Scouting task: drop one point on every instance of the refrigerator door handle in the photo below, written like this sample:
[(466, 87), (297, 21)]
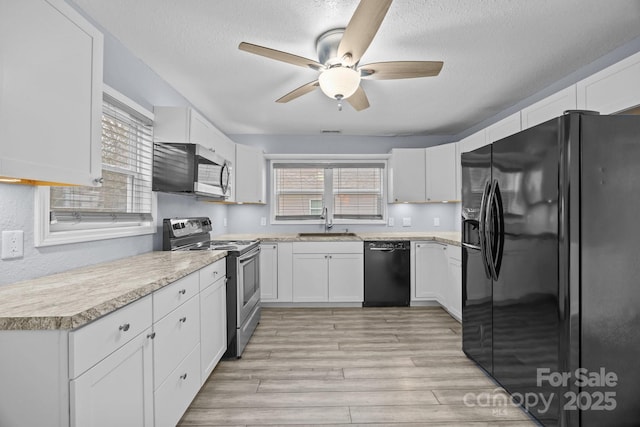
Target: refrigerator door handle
[(482, 225), (495, 233)]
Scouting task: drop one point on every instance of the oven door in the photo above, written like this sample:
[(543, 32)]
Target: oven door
[(248, 283)]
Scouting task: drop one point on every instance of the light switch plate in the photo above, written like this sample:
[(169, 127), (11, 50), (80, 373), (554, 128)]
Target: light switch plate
[(436, 222), (406, 222), (12, 244), (263, 221), (224, 222), (392, 221)]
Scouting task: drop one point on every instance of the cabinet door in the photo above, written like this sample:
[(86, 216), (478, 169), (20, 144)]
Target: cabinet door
[(431, 271), (504, 128), (118, 391), (201, 131), (441, 173), (50, 75), (408, 175), (346, 278), (213, 330), (250, 175), (550, 107), (176, 334), (454, 294), (310, 278), (269, 272), (473, 142), (613, 89), (285, 272)]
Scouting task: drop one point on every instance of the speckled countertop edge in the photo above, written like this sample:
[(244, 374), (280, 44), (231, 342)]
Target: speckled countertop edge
[(74, 298), (448, 237)]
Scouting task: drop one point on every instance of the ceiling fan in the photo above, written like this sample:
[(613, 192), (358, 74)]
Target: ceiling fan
[(339, 53)]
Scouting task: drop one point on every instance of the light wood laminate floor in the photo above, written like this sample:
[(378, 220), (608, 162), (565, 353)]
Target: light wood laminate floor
[(351, 366)]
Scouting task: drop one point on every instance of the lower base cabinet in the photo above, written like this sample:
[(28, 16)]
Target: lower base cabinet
[(437, 275), (118, 390)]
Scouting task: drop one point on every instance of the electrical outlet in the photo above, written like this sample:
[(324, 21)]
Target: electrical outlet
[(263, 221), (392, 221), (12, 244), (436, 222), (406, 222), (224, 222)]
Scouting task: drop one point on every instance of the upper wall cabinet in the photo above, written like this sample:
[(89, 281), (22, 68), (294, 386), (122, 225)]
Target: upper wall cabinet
[(441, 173), (50, 93), (407, 175), (504, 128), (250, 175), (185, 125), (472, 142), (613, 89), (550, 107)]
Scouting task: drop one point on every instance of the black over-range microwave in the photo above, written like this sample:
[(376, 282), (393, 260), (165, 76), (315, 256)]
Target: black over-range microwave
[(190, 168)]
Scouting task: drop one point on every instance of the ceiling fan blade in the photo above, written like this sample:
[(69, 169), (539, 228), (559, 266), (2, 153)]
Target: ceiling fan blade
[(361, 29), (280, 56), (359, 100), (400, 70), (296, 93)]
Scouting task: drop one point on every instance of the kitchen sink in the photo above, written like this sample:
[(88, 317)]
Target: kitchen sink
[(336, 234)]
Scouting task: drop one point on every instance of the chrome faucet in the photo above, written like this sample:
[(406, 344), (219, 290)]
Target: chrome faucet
[(328, 225)]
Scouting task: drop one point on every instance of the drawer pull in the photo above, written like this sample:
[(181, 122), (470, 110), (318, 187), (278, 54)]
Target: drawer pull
[(215, 273), (183, 319), (125, 327), (152, 335), (183, 376), (182, 291)]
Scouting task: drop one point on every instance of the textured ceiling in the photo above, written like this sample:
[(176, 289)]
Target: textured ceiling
[(495, 53)]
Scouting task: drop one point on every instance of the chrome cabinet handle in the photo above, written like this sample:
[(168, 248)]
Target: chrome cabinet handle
[(182, 291), (125, 327), (152, 335), (215, 273), (183, 319), (99, 180), (183, 376)]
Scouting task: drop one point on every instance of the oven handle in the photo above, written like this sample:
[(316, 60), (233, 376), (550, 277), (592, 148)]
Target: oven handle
[(249, 256)]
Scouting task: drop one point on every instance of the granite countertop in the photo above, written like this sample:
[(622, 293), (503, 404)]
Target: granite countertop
[(76, 297), (448, 237)]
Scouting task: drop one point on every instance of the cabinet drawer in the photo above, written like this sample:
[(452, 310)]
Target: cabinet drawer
[(176, 334), (328, 247), (175, 394), (170, 297), (454, 252), (91, 343), (213, 272)]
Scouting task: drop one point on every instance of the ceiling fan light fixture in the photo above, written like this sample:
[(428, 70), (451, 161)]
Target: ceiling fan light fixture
[(339, 82)]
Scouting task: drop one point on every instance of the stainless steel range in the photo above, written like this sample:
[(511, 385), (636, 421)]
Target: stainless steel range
[(243, 278)]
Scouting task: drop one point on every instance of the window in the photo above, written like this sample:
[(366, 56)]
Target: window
[(350, 191), (124, 204)]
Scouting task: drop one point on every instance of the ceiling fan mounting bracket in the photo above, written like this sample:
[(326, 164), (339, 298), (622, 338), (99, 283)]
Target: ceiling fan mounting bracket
[(327, 47)]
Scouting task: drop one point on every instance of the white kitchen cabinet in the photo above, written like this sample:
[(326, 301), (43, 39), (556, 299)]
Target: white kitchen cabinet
[(346, 278), (458, 171), (118, 391), (285, 272), (310, 277), (473, 142), (250, 182), (613, 89), (185, 125), (407, 175), (441, 173), (328, 272), (50, 60), (269, 272), (504, 128), (454, 290), (431, 271), (550, 107), (213, 321)]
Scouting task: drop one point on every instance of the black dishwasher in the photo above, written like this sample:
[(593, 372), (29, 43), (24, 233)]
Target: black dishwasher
[(387, 273)]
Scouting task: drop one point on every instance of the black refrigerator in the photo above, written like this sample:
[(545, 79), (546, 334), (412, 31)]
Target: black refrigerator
[(551, 268)]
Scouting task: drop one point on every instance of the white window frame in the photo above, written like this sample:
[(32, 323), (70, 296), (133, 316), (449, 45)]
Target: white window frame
[(328, 186), (43, 236)]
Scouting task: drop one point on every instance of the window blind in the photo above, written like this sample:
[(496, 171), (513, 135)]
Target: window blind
[(125, 197), (357, 193), (299, 192)]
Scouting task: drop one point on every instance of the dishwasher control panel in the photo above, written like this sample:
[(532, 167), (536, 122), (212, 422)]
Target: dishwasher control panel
[(395, 244)]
